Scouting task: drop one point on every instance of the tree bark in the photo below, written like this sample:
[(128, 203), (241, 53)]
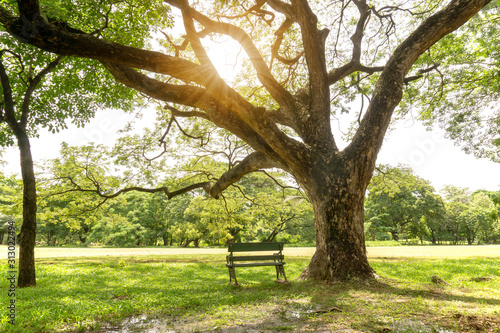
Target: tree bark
[(28, 229), (336, 189), (27, 235)]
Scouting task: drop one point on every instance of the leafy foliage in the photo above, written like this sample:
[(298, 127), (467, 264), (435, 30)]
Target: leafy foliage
[(77, 88), (402, 204), (79, 204), (461, 94)]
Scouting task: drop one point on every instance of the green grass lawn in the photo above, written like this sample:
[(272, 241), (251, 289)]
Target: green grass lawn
[(190, 293)]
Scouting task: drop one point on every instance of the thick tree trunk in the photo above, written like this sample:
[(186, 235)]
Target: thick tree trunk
[(28, 229), (340, 243), (337, 194)]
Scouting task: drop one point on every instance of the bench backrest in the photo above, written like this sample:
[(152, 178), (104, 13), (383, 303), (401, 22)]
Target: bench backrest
[(251, 247)]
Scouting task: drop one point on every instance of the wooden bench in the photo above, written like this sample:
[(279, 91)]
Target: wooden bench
[(275, 259)]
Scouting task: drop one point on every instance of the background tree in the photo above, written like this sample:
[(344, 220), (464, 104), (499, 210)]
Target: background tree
[(402, 203), (280, 216), (471, 217), (117, 230), (64, 219), (284, 112), (481, 220), (453, 193), (453, 222), (174, 216), (432, 212), (149, 211)]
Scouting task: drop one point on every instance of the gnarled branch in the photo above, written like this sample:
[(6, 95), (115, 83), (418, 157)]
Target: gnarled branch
[(253, 162)]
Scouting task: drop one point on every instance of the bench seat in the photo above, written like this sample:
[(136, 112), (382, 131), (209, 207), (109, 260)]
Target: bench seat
[(275, 259), (255, 264)]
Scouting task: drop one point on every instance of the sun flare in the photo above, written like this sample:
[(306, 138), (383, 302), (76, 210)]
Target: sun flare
[(226, 55)]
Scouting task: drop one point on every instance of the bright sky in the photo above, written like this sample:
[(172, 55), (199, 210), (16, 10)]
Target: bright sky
[(431, 155), (435, 158)]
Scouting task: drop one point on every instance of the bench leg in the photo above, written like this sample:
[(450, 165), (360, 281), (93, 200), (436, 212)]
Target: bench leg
[(280, 271), (232, 275)]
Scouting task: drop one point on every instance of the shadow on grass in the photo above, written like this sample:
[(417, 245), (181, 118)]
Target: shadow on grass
[(431, 293), (375, 306)]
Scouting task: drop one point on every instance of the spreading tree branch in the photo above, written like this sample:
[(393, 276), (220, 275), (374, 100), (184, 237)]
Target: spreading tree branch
[(253, 162), (388, 91)]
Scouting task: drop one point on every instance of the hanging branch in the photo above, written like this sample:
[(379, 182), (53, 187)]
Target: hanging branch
[(98, 189)]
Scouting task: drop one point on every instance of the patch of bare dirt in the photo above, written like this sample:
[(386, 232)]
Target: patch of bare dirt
[(290, 316), (472, 323)]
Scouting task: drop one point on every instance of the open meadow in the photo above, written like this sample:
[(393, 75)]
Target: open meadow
[(187, 290)]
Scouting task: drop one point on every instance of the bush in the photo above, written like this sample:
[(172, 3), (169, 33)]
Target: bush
[(117, 231)]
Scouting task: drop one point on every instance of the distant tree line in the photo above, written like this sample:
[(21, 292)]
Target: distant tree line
[(404, 207), (399, 206), (72, 212)]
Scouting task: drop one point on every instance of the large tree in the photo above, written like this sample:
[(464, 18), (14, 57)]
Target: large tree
[(285, 112)]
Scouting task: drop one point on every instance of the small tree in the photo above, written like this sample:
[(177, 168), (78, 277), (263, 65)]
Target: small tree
[(453, 222), (116, 230), (486, 219)]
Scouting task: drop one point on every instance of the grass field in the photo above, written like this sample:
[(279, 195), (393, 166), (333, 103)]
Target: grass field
[(133, 290)]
